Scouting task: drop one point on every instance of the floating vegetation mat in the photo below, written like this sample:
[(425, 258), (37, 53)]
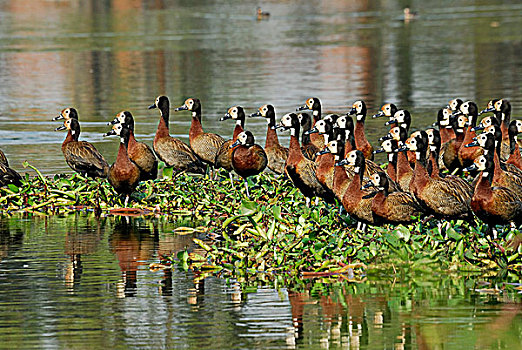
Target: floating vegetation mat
[(273, 234)]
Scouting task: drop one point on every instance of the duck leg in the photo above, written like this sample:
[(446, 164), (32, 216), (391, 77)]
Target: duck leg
[(246, 187), (308, 200), (126, 201), (231, 179)]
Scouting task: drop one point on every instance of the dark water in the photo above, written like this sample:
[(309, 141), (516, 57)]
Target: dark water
[(106, 56), (76, 282)]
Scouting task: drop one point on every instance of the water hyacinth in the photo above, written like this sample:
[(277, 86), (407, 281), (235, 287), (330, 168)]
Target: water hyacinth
[(274, 233)]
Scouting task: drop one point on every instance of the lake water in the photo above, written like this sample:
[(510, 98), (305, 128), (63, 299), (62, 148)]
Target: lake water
[(77, 282)]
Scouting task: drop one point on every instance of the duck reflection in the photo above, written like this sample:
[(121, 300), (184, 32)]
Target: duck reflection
[(82, 237), (133, 244), (10, 239)]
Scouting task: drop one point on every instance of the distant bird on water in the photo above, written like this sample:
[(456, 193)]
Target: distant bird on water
[(261, 15)]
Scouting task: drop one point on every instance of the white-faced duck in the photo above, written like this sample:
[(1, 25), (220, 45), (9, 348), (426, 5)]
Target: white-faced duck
[(248, 159), (204, 144), (139, 152), (124, 174), (276, 153), (82, 156), (172, 151)]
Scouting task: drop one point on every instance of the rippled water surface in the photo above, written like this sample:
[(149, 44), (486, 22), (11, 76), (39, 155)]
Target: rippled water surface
[(81, 282), (78, 282)]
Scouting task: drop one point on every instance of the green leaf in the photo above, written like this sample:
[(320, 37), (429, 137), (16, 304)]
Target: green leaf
[(13, 188), (248, 208)]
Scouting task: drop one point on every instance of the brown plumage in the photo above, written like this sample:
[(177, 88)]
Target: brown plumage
[(309, 149), (124, 174), (362, 143), (515, 128), (450, 153), (442, 198), (82, 156), (314, 104), (396, 207), (301, 170), (355, 200), (495, 205), (248, 159), (8, 175), (501, 176), (276, 153), (505, 145), (204, 144), (173, 152), (467, 155), (140, 153), (404, 172), (224, 153)]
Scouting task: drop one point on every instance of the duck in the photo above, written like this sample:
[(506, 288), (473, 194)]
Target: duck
[(393, 208), (277, 154), (356, 201), (493, 204), (467, 155), (402, 118), (502, 111), (248, 159), (515, 128), (309, 149), (408, 15), (387, 110), (7, 174), (443, 199), (204, 144), (390, 147), (67, 113), (261, 15), (124, 175), (172, 151), (434, 142), (404, 171), (362, 143), (139, 152), (505, 146), (454, 104), (314, 104), (450, 153), (444, 124), (82, 156), (224, 154), (301, 170), (489, 140), (343, 128)]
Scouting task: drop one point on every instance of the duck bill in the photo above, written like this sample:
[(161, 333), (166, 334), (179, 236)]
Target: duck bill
[(303, 108), (256, 114), (311, 131), (342, 162), (113, 122), (378, 115), (367, 185), (486, 110), (109, 133), (378, 150), (58, 117), (391, 122), (152, 106), (324, 151), (472, 144), (402, 149), (352, 112), (225, 117), (385, 137), (477, 128), (61, 127), (235, 144), (181, 108), (456, 114), (472, 167)]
